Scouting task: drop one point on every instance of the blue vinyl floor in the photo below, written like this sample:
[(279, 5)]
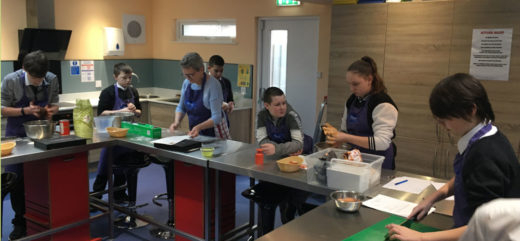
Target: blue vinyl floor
[(151, 182)]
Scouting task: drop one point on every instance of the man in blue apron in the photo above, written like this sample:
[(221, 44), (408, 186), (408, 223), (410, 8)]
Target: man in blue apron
[(216, 68), (201, 99), (278, 133), (120, 97), (30, 93)]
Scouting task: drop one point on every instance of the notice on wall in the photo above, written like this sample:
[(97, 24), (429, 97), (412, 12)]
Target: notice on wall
[(87, 71), (74, 67), (491, 54), (244, 75)]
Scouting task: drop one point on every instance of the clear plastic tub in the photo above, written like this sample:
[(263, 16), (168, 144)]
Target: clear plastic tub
[(102, 122), (346, 175)]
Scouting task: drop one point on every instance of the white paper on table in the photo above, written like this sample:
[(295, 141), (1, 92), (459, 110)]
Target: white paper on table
[(438, 186), (413, 185), (392, 205), (171, 140)]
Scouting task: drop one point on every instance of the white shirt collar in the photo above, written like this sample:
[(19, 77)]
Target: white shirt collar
[(462, 144), (120, 87), (27, 79)]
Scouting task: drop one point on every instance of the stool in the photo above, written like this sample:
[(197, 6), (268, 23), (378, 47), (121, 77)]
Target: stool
[(168, 167), (8, 181), (131, 170)]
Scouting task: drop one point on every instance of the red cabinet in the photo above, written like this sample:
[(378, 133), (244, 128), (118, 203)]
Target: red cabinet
[(56, 194), (189, 200)]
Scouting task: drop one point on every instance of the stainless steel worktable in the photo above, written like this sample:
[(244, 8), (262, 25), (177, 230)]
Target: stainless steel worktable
[(329, 224), (243, 163)]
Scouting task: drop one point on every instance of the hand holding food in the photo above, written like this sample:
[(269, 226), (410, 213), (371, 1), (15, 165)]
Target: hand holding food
[(331, 132)]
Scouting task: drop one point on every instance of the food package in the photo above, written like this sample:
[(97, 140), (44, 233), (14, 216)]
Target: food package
[(83, 116), (353, 155)]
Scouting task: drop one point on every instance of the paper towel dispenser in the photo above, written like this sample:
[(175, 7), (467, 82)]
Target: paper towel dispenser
[(114, 42)]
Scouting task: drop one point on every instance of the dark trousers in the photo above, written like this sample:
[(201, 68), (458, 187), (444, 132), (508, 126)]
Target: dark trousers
[(18, 195), (269, 196)]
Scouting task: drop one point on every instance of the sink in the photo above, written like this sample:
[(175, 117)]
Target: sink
[(148, 96)]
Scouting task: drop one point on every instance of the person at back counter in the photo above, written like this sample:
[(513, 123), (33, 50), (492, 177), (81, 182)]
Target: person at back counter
[(485, 166), (370, 114), (30, 93)]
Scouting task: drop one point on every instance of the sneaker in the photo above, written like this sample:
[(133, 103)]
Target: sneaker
[(18, 232)]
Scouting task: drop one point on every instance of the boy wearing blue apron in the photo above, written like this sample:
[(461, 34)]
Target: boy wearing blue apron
[(28, 94), (216, 68), (485, 167), (120, 97), (279, 133)]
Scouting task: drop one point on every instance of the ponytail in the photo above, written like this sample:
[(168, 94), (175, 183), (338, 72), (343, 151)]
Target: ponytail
[(367, 67)]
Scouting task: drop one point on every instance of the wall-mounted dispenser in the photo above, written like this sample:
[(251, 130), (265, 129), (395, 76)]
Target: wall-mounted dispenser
[(114, 42)]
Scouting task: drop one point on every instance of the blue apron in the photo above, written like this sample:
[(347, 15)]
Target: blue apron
[(197, 112), (357, 124), (15, 126), (460, 215), (282, 134), (116, 150)]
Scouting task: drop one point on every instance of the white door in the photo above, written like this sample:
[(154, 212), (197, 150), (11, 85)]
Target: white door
[(288, 59)]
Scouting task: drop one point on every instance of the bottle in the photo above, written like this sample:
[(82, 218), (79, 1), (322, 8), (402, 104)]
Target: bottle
[(259, 157)]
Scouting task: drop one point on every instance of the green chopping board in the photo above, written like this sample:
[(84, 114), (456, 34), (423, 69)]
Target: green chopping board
[(378, 230)]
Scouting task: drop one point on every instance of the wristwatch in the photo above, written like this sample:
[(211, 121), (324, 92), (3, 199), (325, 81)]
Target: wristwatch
[(23, 113)]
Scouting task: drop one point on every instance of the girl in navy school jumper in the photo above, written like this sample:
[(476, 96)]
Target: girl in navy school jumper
[(370, 114), (485, 166)]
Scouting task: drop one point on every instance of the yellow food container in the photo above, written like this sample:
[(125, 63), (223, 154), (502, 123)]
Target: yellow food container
[(117, 132), (7, 148), (290, 164)]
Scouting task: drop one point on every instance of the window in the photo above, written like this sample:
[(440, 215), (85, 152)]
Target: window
[(207, 30), (278, 59)]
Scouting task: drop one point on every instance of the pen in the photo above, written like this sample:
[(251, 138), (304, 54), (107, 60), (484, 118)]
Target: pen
[(401, 182)]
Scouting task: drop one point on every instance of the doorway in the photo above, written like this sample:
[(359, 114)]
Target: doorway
[(288, 59)]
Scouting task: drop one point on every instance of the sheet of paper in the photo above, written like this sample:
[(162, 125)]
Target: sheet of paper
[(408, 184), (438, 185), (392, 205), (171, 140)]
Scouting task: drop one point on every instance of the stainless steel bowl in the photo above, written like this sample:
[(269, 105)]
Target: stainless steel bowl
[(122, 116), (39, 129), (347, 206)]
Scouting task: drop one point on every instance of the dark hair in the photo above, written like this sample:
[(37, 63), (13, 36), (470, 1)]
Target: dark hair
[(367, 67), (216, 60), (192, 60), (36, 64), (270, 92), (455, 96), (122, 67)]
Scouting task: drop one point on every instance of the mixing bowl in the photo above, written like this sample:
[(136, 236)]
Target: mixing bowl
[(39, 129), (348, 201)]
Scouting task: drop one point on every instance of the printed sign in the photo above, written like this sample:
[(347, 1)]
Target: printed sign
[(491, 54), (244, 75)]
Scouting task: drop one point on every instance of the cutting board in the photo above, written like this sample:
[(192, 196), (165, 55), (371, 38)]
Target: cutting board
[(378, 231), (59, 142)]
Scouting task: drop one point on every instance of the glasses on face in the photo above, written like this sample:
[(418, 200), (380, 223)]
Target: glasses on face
[(189, 75)]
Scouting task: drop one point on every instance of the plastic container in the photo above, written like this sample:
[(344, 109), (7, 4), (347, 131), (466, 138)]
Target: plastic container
[(358, 176), (142, 129), (355, 176), (207, 151), (102, 122), (7, 148), (117, 132)]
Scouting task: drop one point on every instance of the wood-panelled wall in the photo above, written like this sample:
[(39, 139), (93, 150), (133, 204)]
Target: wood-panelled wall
[(415, 45)]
